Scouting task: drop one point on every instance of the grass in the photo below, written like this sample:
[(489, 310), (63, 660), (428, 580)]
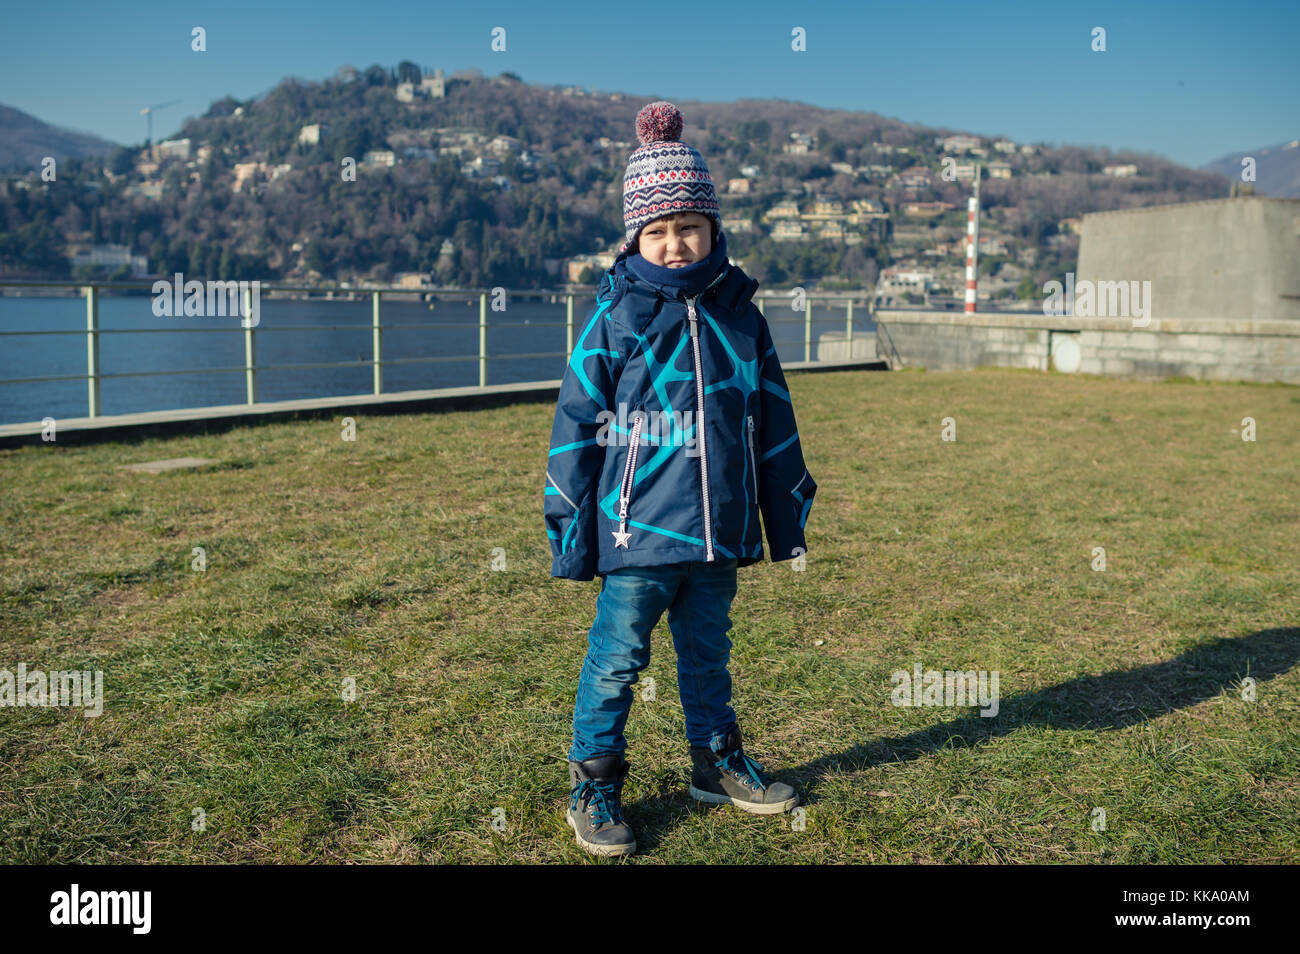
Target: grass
[(369, 563)]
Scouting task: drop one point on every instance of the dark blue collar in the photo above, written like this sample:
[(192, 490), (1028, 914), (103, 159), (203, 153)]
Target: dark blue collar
[(685, 282)]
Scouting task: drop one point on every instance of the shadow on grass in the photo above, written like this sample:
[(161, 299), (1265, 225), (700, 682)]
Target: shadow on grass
[(1111, 700)]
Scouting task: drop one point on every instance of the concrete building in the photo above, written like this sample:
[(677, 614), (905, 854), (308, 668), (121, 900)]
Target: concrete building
[(926, 209), (429, 87), (1219, 286), (1222, 258), (788, 231), (435, 86), (245, 172), (825, 208), (172, 149), (482, 166), (598, 263), (960, 143), (918, 177), (111, 257), (785, 209), (503, 146)]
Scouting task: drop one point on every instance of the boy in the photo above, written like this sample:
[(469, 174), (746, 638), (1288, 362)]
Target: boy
[(673, 431)]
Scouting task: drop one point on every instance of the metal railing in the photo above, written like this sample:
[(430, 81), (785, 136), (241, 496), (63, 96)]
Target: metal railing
[(892, 357), (93, 332)]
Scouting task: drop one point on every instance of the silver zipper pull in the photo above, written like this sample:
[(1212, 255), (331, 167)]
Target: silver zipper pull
[(690, 314), (621, 535)]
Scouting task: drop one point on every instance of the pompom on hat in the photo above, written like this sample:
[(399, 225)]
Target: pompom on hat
[(664, 175)]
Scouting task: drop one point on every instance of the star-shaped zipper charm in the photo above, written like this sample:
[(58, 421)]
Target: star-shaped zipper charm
[(621, 537)]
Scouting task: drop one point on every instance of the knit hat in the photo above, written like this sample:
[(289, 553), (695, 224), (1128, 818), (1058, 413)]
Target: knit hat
[(665, 175)]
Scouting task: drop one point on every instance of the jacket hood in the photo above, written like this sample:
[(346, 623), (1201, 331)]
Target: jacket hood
[(733, 291)]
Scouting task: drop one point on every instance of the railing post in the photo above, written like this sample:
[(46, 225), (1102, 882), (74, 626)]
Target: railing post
[(848, 329), (482, 339), (377, 337), (250, 364), (92, 350), (807, 328), (568, 327)]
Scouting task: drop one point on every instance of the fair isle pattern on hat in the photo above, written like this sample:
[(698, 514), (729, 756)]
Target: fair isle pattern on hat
[(665, 175)]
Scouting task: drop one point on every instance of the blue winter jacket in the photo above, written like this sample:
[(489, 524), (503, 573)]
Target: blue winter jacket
[(674, 428)]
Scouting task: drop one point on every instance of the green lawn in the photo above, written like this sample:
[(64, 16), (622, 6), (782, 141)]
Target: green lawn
[(372, 561)]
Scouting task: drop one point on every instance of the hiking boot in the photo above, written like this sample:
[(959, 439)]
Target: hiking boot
[(595, 813), (728, 776)]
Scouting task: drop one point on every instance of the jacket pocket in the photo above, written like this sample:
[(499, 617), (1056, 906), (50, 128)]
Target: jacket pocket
[(753, 468)]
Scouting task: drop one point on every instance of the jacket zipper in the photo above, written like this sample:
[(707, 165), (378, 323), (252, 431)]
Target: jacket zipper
[(752, 467), (699, 405), (625, 488)]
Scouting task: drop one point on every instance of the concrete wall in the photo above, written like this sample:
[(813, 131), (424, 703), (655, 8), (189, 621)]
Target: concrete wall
[(1202, 348), (834, 346), (1223, 258)]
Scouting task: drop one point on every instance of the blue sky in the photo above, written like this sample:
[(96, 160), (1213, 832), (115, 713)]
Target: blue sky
[(1192, 81)]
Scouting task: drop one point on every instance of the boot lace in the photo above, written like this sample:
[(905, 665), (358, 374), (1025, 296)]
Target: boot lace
[(738, 763), (602, 801)]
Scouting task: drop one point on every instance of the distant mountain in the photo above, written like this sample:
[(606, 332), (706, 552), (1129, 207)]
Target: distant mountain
[(1277, 169), (26, 140)]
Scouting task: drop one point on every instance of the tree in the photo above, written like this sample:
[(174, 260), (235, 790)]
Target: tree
[(313, 258), (121, 161), (759, 132)]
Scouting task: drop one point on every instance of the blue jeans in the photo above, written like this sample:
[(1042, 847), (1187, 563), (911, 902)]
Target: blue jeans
[(697, 596)]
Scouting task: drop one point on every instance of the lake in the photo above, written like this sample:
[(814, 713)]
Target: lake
[(298, 332)]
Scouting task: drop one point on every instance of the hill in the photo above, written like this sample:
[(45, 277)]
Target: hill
[(27, 140), (474, 181), (1277, 169)]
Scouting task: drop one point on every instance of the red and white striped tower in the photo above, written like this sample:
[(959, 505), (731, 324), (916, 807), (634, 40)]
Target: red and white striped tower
[(973, 244)]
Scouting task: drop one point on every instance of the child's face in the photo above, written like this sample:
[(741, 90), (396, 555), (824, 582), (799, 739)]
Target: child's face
[(677, 240)]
